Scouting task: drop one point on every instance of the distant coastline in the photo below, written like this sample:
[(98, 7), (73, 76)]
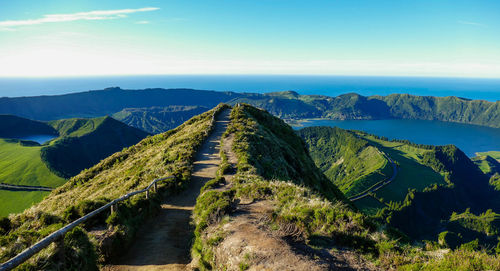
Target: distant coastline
[(471, 88)]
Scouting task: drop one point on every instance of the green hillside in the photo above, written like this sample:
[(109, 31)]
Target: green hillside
[(22, 165), (14, 202), (494, 154), (300, 206), (356, 162), (315, 221), (158, 119), (346, 159), (133, 168), (15, 127), (398, 106), (433, 187), (487, 164), (286, 104), (98, 103), (85, 142)]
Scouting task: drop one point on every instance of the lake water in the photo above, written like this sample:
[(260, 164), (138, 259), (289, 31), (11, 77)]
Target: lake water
[(38, 138), (469, 138), (486, 89)]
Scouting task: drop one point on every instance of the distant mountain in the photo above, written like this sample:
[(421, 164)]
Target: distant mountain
[(15, 127), (158, 119), (106, 102), (395, 106), (85, 142), (287, 104)]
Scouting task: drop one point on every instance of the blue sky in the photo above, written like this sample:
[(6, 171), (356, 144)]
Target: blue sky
[(401, 38)]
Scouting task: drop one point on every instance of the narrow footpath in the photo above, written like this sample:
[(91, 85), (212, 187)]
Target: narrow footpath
[(164, 242), (15, 187)]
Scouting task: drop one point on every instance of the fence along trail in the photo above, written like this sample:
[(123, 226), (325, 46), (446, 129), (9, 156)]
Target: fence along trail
[(164, 242)]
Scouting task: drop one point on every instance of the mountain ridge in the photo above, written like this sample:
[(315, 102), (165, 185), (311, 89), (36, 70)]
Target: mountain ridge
[(288, 105)]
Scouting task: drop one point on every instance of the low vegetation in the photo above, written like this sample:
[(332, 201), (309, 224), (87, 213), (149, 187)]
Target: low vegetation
[(318, 220), (349, 161), (133, 168), (487, 164)]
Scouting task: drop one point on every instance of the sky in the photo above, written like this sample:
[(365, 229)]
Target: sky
[(122, 37)]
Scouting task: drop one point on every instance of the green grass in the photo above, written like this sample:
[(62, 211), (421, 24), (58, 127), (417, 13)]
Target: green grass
[(494, 154), (369, 205), (17, 201), (22, 165), (170, 153), (347, 160), (411, 173), (76, 127)]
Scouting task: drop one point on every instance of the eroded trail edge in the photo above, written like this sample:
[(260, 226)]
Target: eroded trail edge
[(164, 242)]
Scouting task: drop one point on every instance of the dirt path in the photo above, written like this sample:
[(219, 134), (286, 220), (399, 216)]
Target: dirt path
[(164, 242), (15, 187)]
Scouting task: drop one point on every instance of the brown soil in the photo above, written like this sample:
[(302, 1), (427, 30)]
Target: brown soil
[(249, 240), (164, 242)]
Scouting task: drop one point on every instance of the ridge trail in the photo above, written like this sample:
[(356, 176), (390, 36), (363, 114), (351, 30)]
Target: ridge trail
[(164, 242)]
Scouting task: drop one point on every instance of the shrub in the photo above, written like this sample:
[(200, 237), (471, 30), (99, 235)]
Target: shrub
[(5, 225), (449, 239)]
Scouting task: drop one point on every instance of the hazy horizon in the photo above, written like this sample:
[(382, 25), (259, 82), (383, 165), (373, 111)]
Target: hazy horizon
[(472, 88), (361, 38)]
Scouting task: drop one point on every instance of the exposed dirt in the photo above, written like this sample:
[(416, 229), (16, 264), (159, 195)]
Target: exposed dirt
[(164, 242), (249, 241)]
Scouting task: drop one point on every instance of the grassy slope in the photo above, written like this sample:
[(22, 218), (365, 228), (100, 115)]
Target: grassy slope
[(412, 174), (494, 154), (487, 164), (313, 216), (17, 201), (350, 162), (170, 153), (76, 127), (273, 164), (14, 126), (85, 142), (22, 165), (363, 165), (158, 119)]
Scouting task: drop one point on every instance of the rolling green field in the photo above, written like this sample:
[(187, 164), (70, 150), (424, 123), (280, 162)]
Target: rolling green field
[(22, 165), (494, 154), (411, 173), (487, 164), (17, 201), (351, 163)]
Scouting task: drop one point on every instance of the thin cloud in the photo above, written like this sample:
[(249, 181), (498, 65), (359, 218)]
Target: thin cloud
[(142, 22), (79, 16), (472, 23)]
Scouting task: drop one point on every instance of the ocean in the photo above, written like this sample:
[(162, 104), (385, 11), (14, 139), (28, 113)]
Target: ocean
[(485, 89)]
